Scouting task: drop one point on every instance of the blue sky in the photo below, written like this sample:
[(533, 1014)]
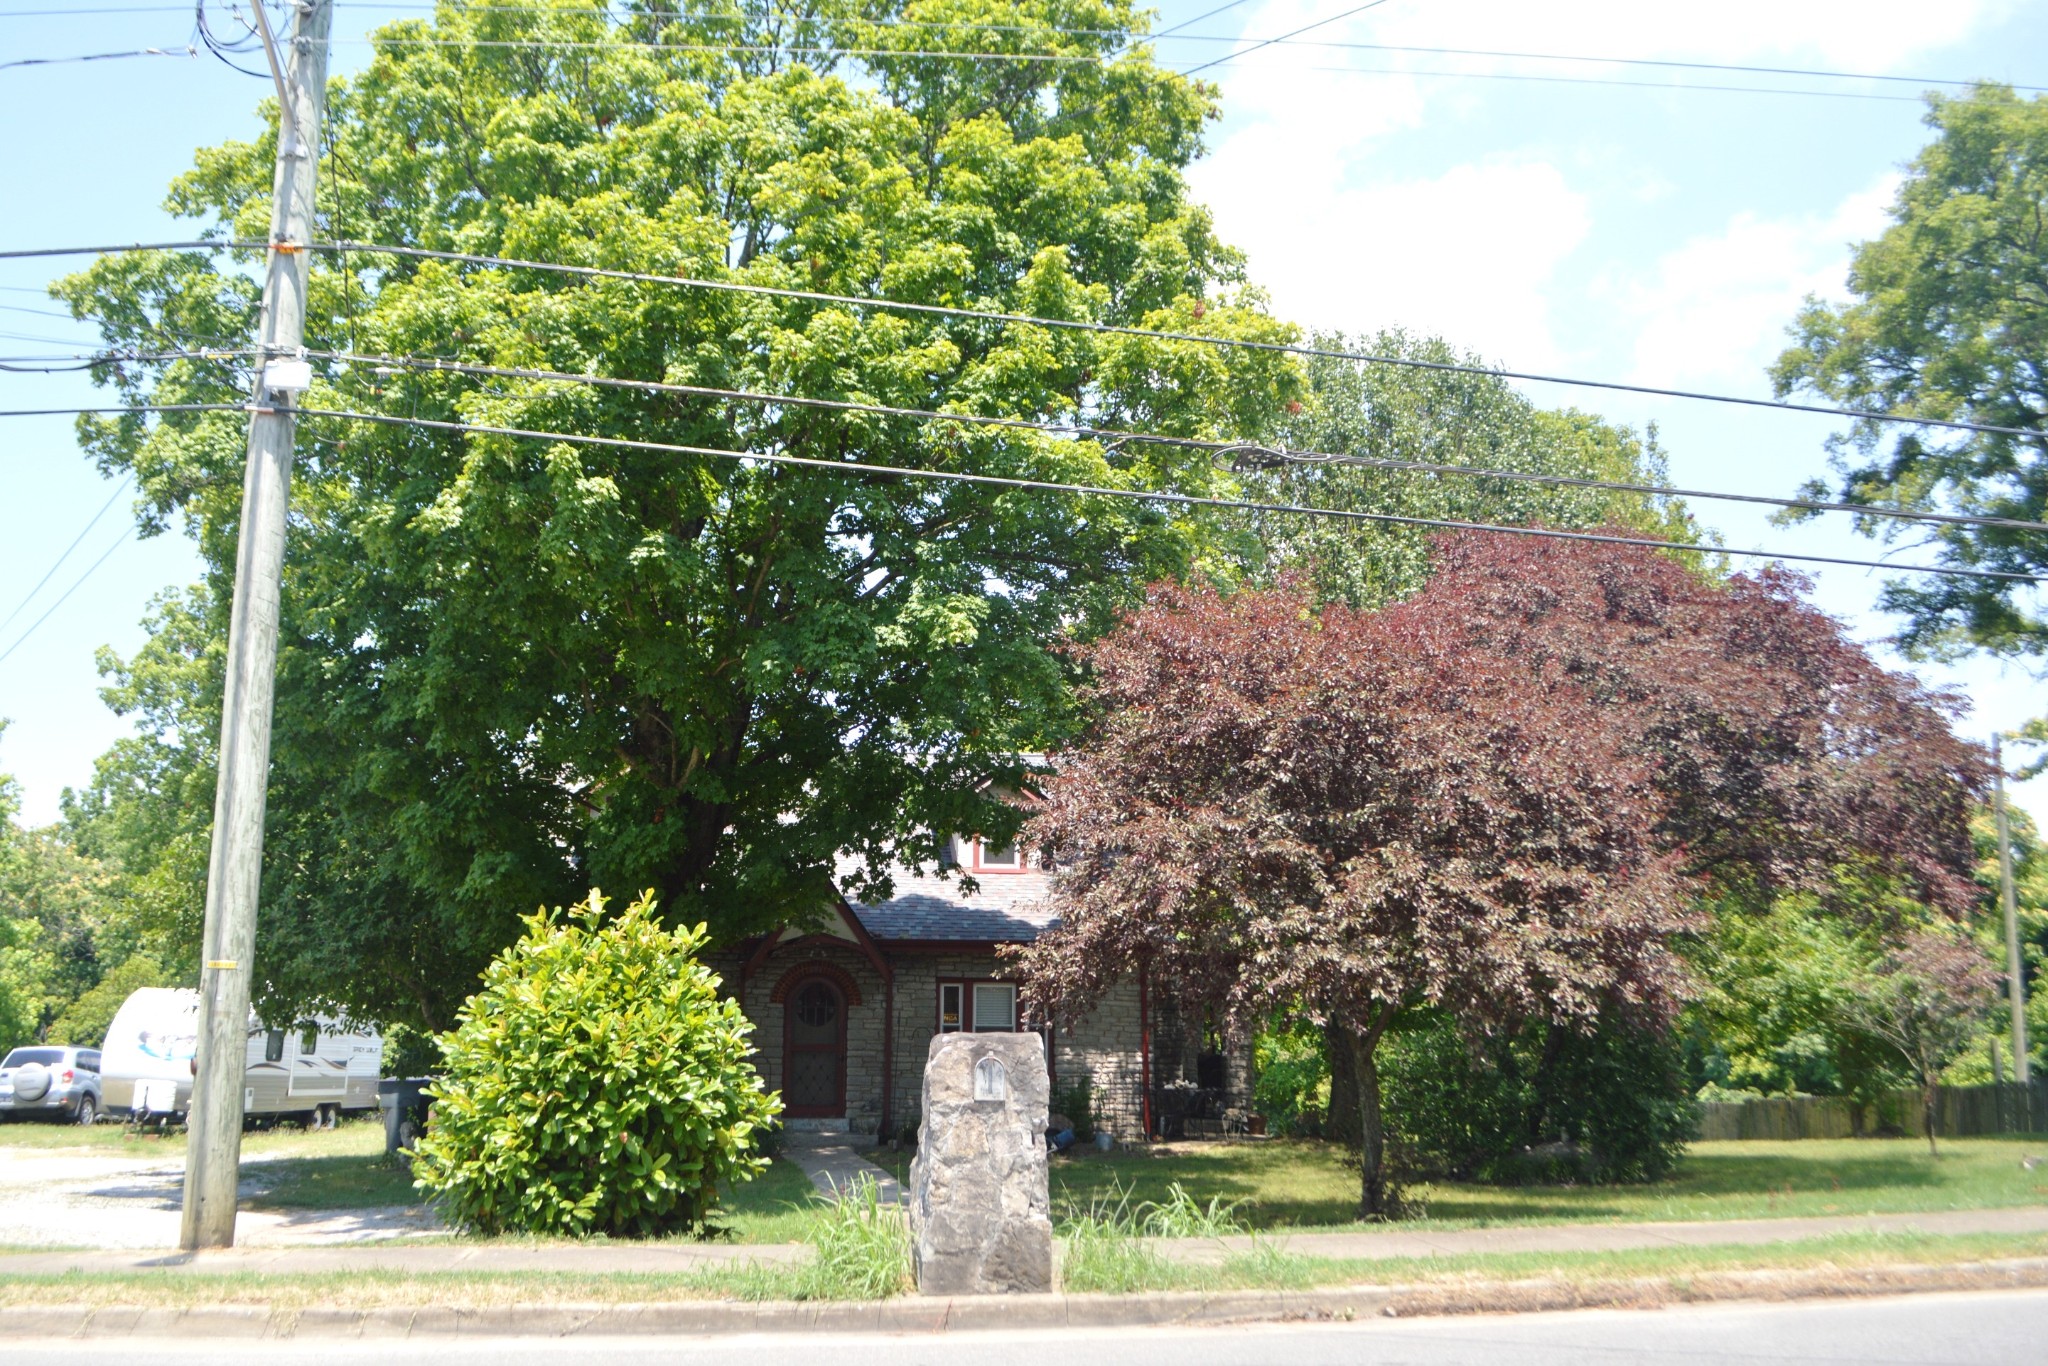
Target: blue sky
[(1656, 233)]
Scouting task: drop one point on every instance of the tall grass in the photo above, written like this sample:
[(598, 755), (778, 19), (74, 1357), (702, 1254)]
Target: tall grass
[(1105, 1243), (863, 1248), (861, 1252)]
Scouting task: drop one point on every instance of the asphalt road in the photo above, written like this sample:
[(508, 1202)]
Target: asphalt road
[(1989, 1329)]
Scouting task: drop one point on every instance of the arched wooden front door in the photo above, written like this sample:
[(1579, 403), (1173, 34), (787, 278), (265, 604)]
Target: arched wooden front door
[(814, 1051)]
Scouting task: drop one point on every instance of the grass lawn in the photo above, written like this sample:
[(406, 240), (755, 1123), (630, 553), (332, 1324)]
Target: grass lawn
[(1675, 1267), (1270, 1269), (1299, 1184)]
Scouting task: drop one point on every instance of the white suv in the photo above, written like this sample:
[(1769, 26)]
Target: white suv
[(52, 1082)]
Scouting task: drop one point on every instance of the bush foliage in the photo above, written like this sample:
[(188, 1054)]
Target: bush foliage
[(1540, 1104), (596, 1084), (1545, 1104), (1293, 1087)]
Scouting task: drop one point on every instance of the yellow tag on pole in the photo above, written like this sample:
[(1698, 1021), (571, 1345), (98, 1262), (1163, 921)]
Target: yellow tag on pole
[(228, 963)]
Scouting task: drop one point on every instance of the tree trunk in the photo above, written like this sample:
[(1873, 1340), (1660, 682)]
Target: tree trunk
[(1340, 1121), (1358, 1055), (1928, 1100)]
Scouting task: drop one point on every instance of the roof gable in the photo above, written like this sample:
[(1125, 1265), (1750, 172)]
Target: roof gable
[(1005, 908)]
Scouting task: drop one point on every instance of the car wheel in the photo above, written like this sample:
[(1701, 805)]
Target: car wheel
[(88, 1111)]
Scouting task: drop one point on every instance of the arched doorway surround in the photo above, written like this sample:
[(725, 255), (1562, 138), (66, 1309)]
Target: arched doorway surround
[(814, 1046)]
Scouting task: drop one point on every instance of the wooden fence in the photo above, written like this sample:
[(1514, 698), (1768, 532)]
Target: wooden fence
[(1960, 1112)]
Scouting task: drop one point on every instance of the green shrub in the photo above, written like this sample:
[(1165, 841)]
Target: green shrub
[(1543, 1105), (1077, 1102), (1451, 1110), (410, 1051), (1293, 1086), (596, 1084)]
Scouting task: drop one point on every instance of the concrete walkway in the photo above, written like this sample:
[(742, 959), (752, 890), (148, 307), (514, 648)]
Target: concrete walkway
[(833, 1164), (72, 1198), (601, 1258)]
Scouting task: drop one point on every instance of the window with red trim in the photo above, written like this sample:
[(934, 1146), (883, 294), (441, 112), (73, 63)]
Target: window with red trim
[(997, 858), (977, 1007)]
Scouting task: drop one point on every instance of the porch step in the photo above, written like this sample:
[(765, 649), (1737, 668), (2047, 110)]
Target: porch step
[(794, 1127)]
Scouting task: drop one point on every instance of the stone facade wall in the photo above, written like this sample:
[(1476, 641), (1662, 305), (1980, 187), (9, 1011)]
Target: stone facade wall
[(1105, 1046), (917, 1016), (863, 1022)]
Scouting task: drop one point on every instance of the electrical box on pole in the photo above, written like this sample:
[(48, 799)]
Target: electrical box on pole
[(234, 869)]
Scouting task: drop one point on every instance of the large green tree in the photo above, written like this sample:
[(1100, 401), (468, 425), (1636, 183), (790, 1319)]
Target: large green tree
[(1949, 319), (67, 921), (511, 668), (1413, 413)]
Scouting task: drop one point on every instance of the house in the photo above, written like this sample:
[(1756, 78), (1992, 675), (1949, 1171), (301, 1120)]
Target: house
[(844, 1015)]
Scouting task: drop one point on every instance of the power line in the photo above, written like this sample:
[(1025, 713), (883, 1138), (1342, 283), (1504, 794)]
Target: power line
[(114, 356), (52, 341), (1289, 39), (80, 360), (1176, 33), (1190, 23), (1815, 72), (101, 57), (750, 49), (1068, 324), (126, 408), (104, 556), (1049, 486), (225, 50), (1141, 495), (1250, 453), (1611, 81), (1117, 329), (1255, 453), (796, 50), (1292, 33), (814, 50), (119, 489)]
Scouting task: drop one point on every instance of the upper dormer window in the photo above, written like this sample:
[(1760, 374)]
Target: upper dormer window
[(990, 857)]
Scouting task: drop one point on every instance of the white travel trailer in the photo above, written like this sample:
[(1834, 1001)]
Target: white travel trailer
[(316, 1070)]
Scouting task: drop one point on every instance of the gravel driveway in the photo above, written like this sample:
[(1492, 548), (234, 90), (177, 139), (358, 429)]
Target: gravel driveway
[(79, 1197)]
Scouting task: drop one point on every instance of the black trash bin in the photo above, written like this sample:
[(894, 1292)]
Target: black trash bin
[(404, 1103)]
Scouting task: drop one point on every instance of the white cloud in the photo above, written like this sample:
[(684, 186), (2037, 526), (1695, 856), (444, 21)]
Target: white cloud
[(1467, 255), (1712, 311), (1479, 253), (1474, 254)]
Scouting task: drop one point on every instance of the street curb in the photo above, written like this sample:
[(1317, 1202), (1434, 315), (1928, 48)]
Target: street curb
[(981, 1313)]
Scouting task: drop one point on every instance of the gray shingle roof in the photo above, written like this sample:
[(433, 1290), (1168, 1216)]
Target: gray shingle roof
[(1008, 908)]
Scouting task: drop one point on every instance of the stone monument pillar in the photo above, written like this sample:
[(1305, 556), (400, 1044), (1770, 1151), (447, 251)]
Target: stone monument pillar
[(980, 1218)]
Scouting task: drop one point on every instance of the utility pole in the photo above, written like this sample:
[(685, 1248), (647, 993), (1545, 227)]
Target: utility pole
[(213, 1146), (2015, 968)]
